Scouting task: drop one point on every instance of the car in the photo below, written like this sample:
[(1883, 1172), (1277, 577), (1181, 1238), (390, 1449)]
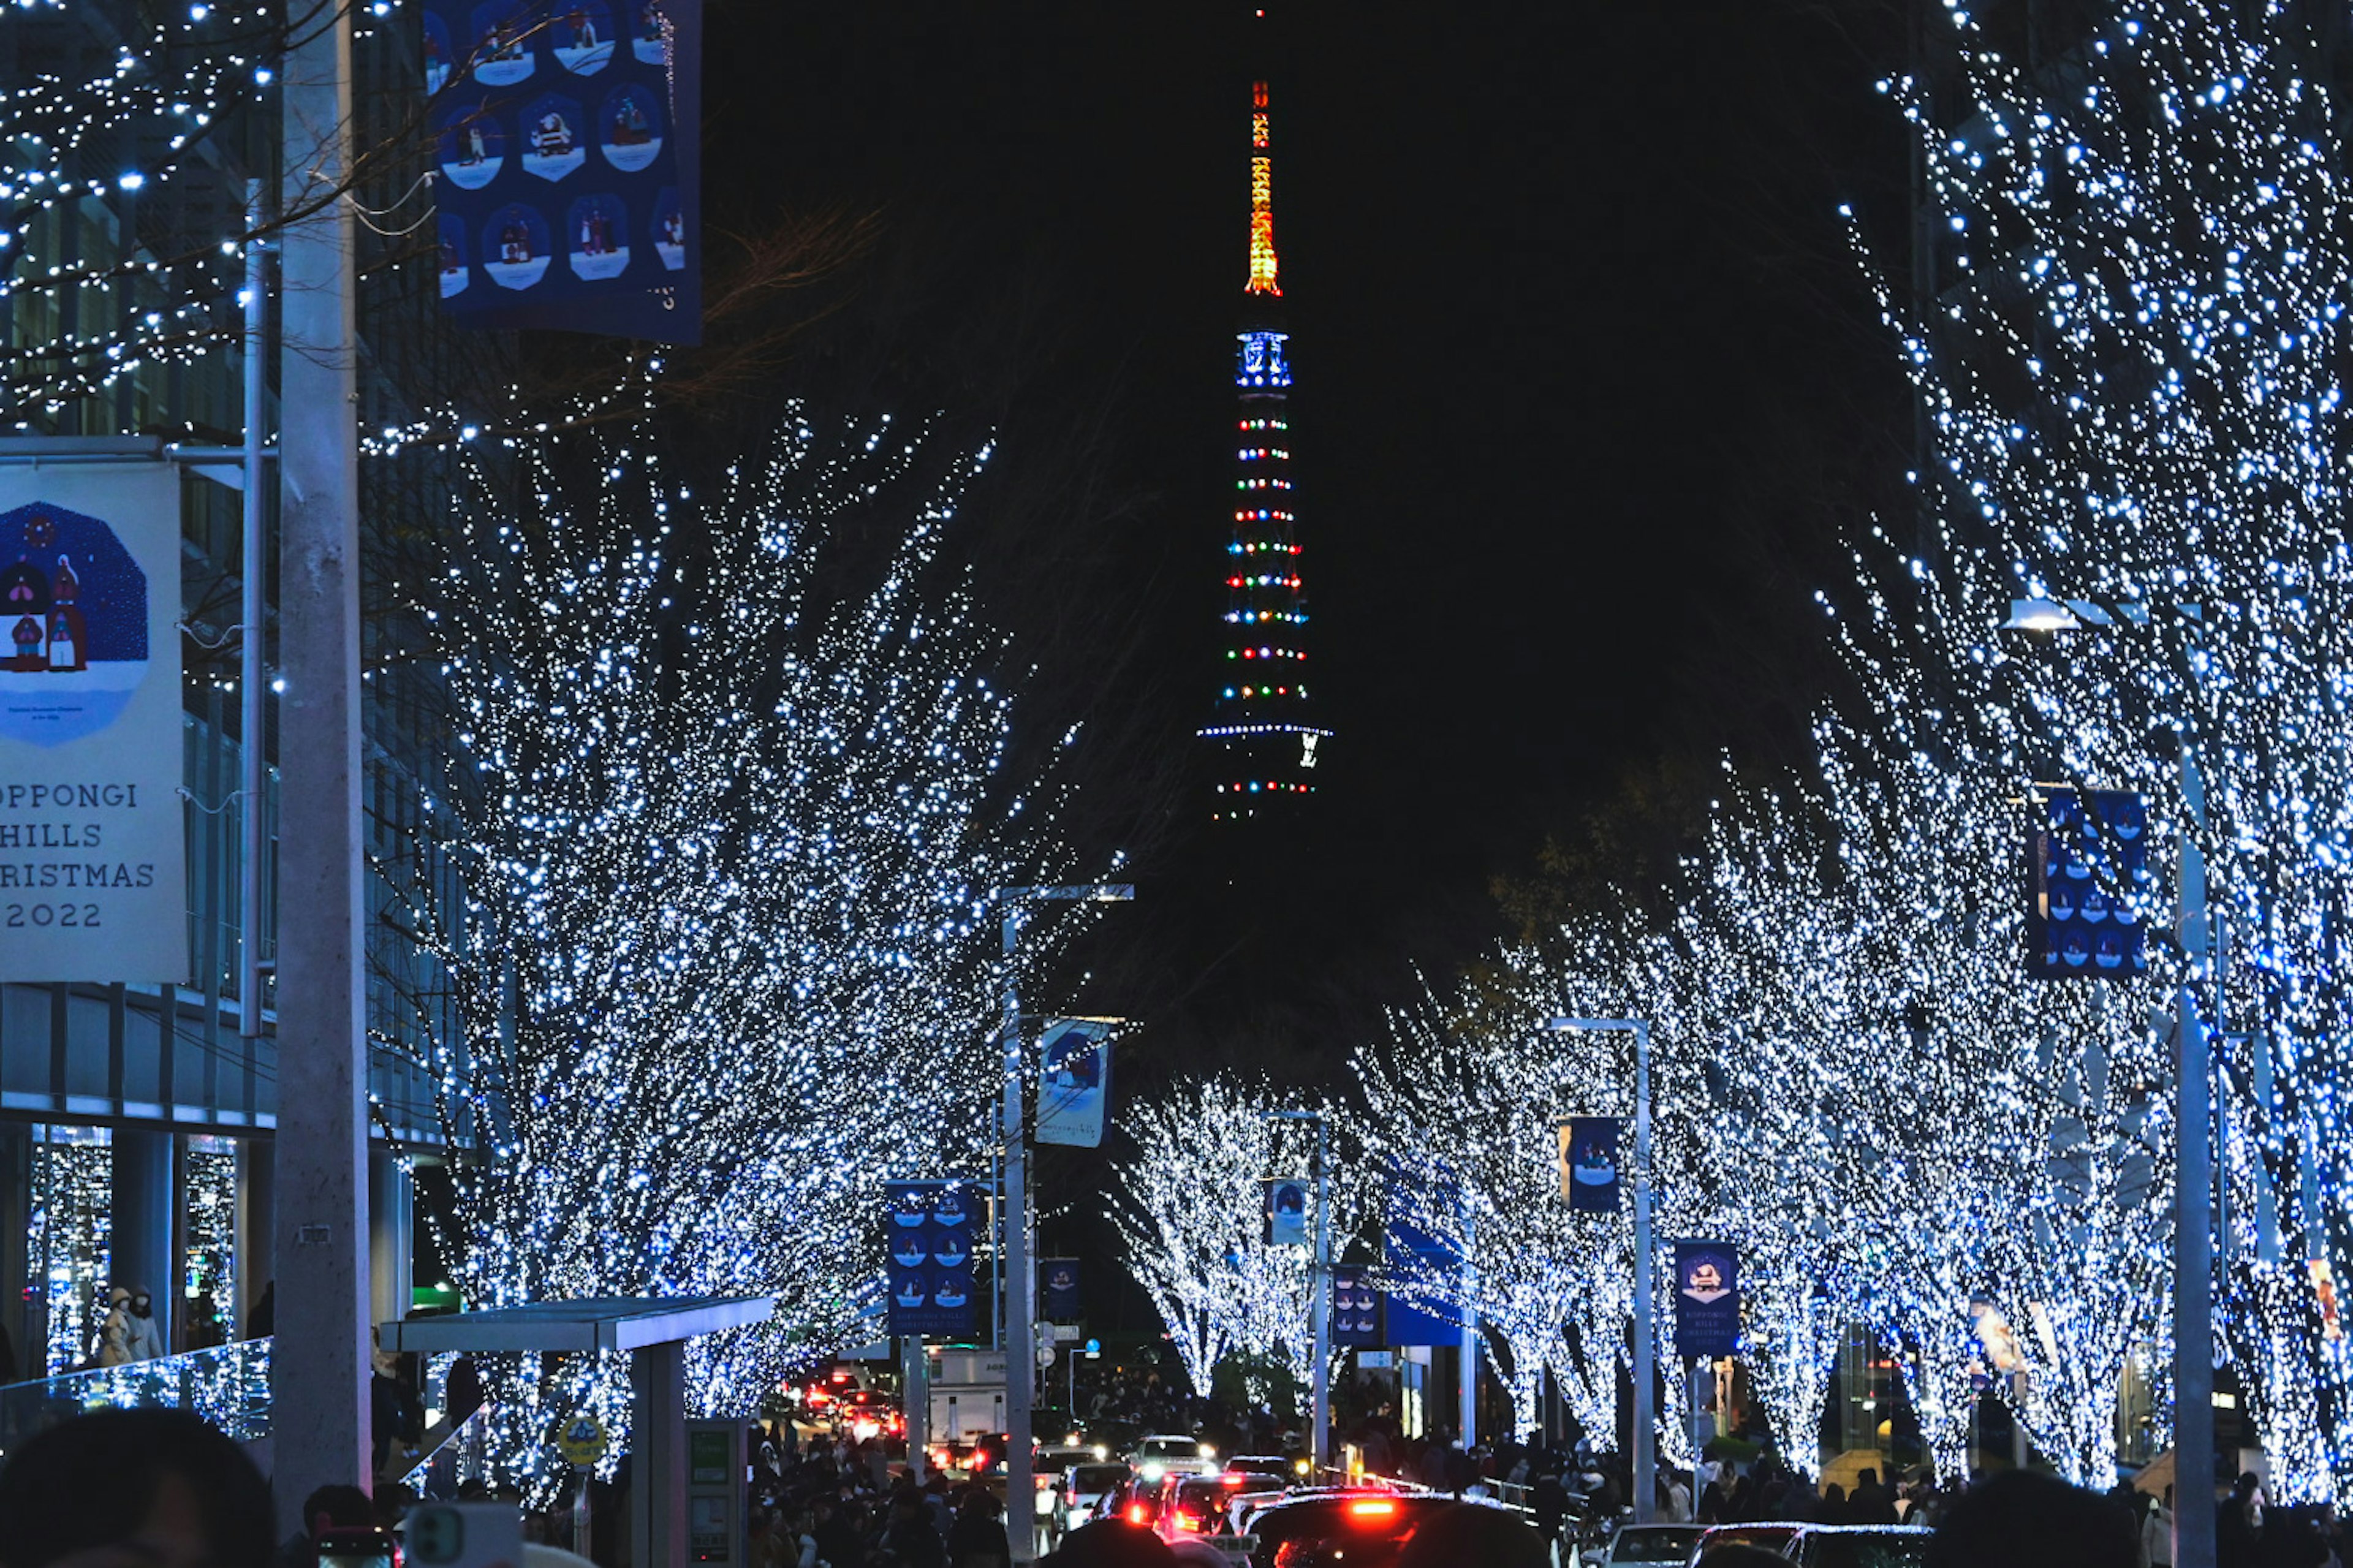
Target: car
[(1342, 1527), (1649, 1543), (1290, 1469), (1080, 1490), (1157, 1454), (1132, 1500), (1048, 1468), (1200, 1504), (1827, 1545)]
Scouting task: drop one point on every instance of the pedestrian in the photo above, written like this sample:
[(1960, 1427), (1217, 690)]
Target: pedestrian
[(114, 1328), (910, 1537), (978, 1540), (146, 1333), (2238, 1526), (2157, 1530), (161, 1488), (1872, 1502)]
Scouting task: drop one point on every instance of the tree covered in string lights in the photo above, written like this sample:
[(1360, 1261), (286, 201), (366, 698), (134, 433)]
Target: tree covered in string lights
[(1190, 1209), (2132, 374), (124, 145), (723, 839)]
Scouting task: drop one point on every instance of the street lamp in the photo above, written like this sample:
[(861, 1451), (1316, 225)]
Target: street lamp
[(1319, 1298), (1019, 1288), (2194, 1175), (1646, 1439)]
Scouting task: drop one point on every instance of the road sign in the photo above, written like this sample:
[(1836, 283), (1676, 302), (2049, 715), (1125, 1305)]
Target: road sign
[(583, 1440), (1045, 1356)]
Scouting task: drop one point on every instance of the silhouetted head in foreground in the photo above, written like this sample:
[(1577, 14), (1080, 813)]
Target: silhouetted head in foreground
[(1466, 1533), (133, 1488), (2019, 1519)]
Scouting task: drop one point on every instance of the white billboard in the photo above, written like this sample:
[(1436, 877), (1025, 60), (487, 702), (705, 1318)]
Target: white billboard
[(94, 885)]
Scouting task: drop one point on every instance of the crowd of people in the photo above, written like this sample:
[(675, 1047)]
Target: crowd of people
[(163, 1490)]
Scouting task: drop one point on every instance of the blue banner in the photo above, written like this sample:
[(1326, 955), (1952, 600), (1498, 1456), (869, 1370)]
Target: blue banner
[(1355, 1307), (1707, 1299), (929, 1236), (1075, 1086), (1286, 1211), (1058, 1291), (1415, 1254), (1588, 1164), (2091, 862), (568, 164)]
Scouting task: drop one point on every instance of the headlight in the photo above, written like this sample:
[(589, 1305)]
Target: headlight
[(1207, 1452)]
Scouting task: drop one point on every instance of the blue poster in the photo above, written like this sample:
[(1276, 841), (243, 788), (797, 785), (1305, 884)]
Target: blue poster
[(1286, 1211), (1707, 1299), (929, 1238), (1058, 1291), (1414, 1255), (568, 164), (1076, 1083), (1355, 1306), (2091, 863), (1588, 1164)]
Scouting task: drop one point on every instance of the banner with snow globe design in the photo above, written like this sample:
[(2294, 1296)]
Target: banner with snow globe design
[(568, 164), (93, 834)]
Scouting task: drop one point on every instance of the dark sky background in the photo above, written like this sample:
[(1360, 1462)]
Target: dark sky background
[(1587, 384)]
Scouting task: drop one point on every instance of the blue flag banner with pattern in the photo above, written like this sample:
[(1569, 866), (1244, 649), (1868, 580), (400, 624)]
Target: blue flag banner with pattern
[(929, 1231), (1355, 1307), (567, 163), (2091, 868), (1707, 1299)]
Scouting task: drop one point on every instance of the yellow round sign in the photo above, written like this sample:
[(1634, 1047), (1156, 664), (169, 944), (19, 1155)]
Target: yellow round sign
[(583, 1440)]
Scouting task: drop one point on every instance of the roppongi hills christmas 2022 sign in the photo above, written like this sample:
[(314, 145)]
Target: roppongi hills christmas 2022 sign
[(92, 830)]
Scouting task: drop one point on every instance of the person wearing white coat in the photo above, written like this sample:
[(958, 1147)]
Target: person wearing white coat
[(146, 1331)]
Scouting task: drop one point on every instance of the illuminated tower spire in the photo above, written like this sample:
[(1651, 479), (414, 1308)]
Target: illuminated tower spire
[(1265, 727), (1261, 244)]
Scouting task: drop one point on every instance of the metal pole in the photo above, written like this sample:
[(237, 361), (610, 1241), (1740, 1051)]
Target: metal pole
[(1319, 1313), (2193, 1232), (319, 1369), (1466, 1400), (1020, 1347), (253, 647), (2193, 1327), (1646, 1433), (917, 1383)]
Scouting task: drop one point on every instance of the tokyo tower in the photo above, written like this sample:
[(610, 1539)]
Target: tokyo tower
[(1269, 743)]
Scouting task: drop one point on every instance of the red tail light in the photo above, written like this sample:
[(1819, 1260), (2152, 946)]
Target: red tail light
[(1186, 1522), (1372, 1507), (1138, 1514)]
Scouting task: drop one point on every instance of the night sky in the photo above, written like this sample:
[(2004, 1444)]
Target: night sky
[(1587, 385)]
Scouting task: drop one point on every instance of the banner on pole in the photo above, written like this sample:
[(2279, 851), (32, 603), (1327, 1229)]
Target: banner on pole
[(1286, 1211), (2090, 863), (93, 835), (1058, 1291), (1588, 1164), (568, 164), (1075, 1086), (930, 1240), (1426, 1314), (1707, 1299), (1355, 1306)]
